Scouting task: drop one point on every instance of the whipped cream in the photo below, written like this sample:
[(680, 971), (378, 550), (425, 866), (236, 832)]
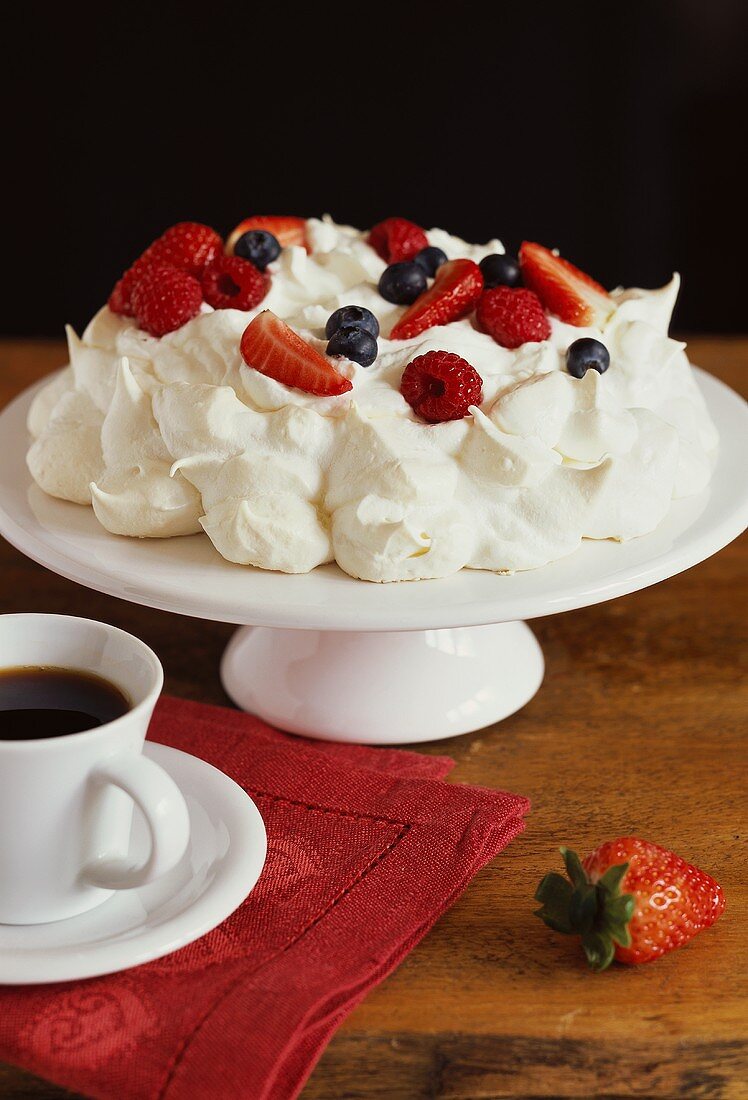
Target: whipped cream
[(176, 435)]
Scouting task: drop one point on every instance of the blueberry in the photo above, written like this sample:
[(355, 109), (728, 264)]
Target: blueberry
[(430, 259), (584, 354), (352, 317), (500, 270), (259, 247), (402, 283), (355, 344)]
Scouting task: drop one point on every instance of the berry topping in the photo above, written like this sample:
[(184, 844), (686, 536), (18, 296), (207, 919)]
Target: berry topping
[(562, 288), (120, 300), (188, 246), (513, 316), (259, 247), (499, 269), (630, 900), (453, 295), (287, 230), (355, 344), (165, 298), (233, 283), (430, 259), (441, 386), (352, 317), (586, 354), (397, 239), (402, 283), (272, 348)]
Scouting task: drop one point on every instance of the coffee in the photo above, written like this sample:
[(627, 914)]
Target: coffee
[(53, 702)]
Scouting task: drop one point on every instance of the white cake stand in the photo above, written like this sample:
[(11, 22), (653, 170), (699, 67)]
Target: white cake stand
[(332, 657)]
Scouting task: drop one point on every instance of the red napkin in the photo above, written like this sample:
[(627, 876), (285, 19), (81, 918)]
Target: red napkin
[(367, 848)]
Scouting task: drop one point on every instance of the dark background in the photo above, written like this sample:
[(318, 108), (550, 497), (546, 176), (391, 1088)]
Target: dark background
[(614, 132)]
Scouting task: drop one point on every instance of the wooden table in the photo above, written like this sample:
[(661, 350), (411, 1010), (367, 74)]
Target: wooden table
[(638, 728)]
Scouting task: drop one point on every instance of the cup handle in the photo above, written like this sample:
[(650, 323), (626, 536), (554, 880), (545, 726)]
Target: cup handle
[(161, 802)]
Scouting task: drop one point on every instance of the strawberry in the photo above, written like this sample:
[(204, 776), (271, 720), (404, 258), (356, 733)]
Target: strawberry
[(286, 229), (667, 901), (397, 239), (272, 348), (187, 246), (562, 288), (453, 294), (165, 298)]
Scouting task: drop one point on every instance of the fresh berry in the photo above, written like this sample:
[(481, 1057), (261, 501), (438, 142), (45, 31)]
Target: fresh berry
[(397, 239), (500, 269), (666, 901), (165, 298), (513, 316), (286, 229), (233, 283), (355, 344), (453, 295), (587, 354), (259, 247), (402, 282), (562, 288), (272, 348), (188, 246), (441, 386), (430, 259), (120, 300), (352, 317)]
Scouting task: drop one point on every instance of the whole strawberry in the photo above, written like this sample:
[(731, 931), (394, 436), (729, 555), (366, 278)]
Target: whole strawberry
[(630, 900)]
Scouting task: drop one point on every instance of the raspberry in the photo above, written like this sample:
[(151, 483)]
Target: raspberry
[(512, 316), (230, 282), (397, 239), (188, 246), (441, 386), (165, 298), (120, 300)]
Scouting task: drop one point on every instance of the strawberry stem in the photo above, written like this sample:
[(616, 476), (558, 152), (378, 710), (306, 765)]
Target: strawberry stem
[(597, 912)]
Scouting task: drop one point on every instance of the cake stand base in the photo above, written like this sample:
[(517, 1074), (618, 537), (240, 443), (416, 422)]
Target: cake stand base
[(383, 687)]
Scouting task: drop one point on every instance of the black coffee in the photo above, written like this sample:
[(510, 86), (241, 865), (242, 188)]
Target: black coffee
[(52, 702)]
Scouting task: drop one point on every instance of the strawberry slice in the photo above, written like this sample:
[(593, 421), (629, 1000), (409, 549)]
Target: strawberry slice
[(562, 288), (455, 290), (272, 348), (286, 229)]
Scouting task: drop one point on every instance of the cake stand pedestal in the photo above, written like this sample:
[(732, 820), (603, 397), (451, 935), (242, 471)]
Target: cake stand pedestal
[(397, 686), (328, 656)]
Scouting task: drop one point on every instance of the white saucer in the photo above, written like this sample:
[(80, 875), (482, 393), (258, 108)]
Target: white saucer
[(223, 862)]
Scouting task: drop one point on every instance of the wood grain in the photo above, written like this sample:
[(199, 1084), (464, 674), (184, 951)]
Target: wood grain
[(639, 727)]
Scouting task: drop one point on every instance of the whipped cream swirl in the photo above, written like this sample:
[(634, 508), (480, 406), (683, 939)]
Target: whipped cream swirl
[(172, 436)]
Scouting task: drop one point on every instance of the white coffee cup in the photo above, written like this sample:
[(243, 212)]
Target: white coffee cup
[(66, 802)]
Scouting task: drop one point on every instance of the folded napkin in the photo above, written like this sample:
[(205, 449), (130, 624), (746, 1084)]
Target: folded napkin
[(366, 849)]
